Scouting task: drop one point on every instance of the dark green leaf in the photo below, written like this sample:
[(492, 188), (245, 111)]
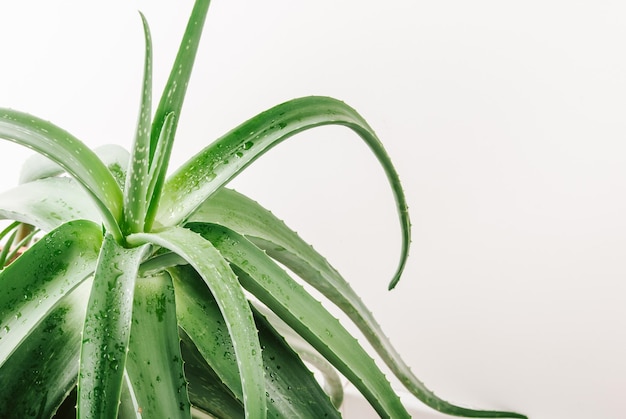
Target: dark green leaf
[(42, 371), (41, 277)]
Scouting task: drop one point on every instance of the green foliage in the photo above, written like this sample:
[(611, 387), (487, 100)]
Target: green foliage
[(139, 297)]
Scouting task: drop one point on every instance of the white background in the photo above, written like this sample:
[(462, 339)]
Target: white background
[(506, 122)]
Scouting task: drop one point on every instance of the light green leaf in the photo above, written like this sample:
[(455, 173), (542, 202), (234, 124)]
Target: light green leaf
[(39, 203), (34, 284), (218, 163), (239, 213), (154, 363), (72, 155), (232, 302), (129, 406), (293, 304), (107, 329), (136, 196), (41, 373)]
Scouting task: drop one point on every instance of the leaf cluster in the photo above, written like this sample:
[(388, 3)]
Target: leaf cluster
[(158, 296)]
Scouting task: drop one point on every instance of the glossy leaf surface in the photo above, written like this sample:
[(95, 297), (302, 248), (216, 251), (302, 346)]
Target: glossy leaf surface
[(35, 283), (290, 301), (106, 331), (155, 366), (40, 374), (72, 155), (232, 302), (218, 163), (292, 391)]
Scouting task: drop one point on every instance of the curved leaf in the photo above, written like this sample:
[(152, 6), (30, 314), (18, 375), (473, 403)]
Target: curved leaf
[(106, 330), (154, 362), (41, 373), (39, 167), (223, 284), (294, 305), (72, 155), (34, 284), (218, 163), (39, 203), (239, 213)]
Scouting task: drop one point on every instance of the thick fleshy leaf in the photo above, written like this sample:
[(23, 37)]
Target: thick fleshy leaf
[(158, 169), (72, 155), (294, 305), (239, 213), (333, 384), (136, 197), (232, 302), (207, 392), (34, 284), (176, 86), (218, 163), (292, 391), (154, 362), (37, 166), (38, 376), (107, 329), (39, 203)]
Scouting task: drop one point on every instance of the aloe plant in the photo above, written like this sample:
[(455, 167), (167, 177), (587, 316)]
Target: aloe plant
[(148, 295)]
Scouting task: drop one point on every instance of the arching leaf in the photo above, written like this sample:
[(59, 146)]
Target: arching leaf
[(218, 163)]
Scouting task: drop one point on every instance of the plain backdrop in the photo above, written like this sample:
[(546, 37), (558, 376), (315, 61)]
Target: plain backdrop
[(506, 122)]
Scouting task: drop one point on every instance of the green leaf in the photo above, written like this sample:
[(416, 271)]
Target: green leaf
[(176, 86), (39, 167), (159, 168), (214, 166), (39, 203), (292, 391), (154, 363), (232, 302), (294, 305), (41, 373), (72, 155), (333, 385), (239, 213), (206, 390), (35, 283), (107, 329), (136, 190)]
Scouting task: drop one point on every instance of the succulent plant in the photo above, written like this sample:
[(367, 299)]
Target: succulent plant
[(147, 295)]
